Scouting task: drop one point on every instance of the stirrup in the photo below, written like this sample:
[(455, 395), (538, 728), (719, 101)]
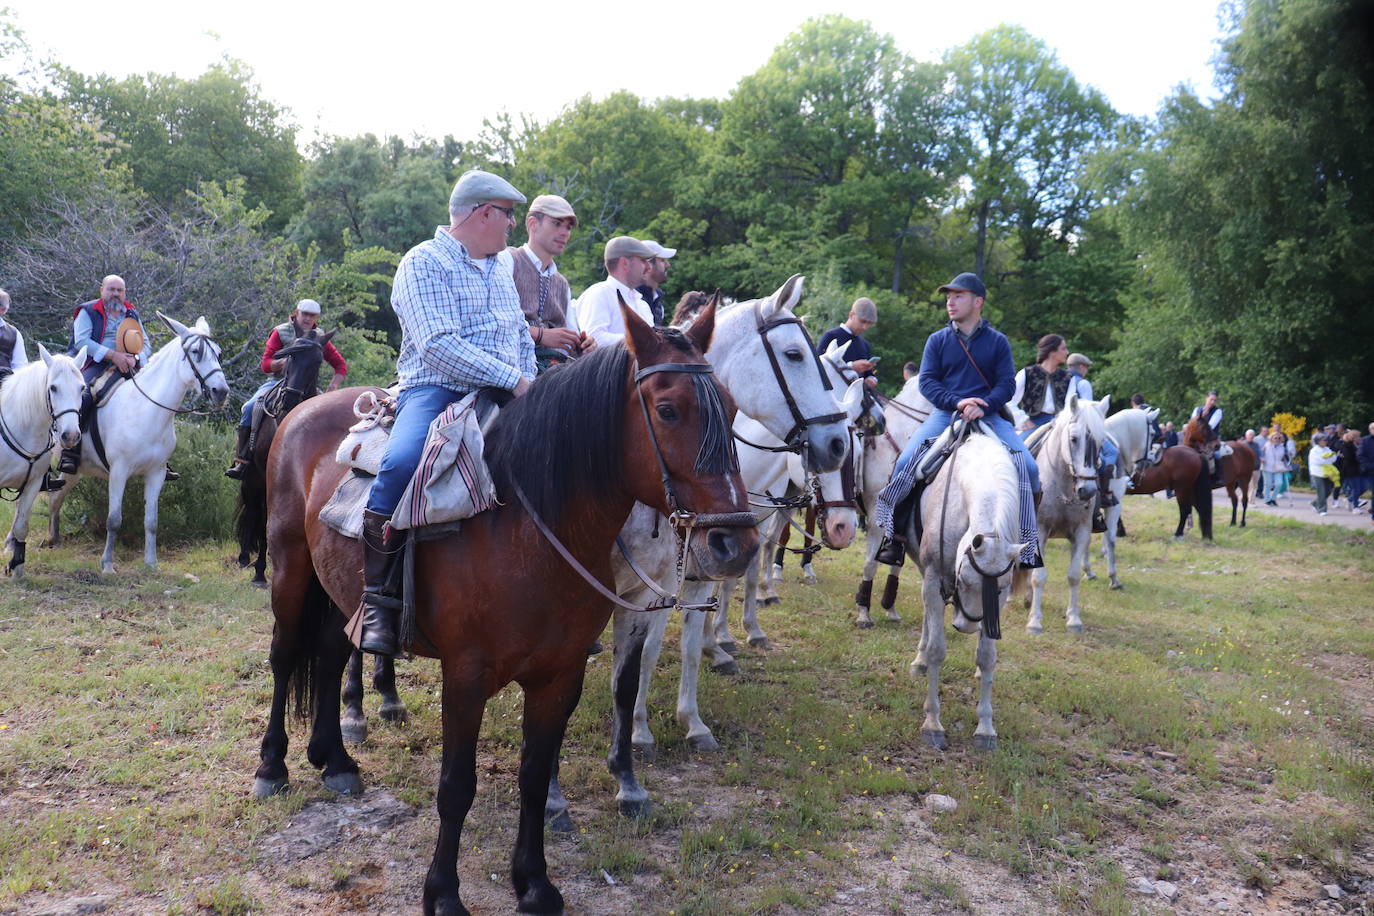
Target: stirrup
[(1099, 522), (234, 471), (891, 552), (51, 483)]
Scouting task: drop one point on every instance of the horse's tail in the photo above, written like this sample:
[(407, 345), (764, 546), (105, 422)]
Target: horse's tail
[(312, 637)]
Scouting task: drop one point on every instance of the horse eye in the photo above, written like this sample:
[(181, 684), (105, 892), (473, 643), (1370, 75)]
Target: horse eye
[(794, 354), (667, 412)]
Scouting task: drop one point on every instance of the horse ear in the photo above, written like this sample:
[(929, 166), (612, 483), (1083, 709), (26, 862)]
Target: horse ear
[(177, 327), (80, 358), (853, 401), (639, 337), (704, 327), (328, 337), (1072, 403), (45, 355), (202, 326), (791, 292), (1103, 403)]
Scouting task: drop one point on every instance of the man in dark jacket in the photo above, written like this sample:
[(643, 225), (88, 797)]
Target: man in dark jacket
[(966, 369)]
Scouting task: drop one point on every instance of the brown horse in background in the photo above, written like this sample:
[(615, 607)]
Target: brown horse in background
[(1236, 468), (1179, 469), (496, 602)]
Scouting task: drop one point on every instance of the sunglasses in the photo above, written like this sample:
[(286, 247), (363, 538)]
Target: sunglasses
[(509, 211)]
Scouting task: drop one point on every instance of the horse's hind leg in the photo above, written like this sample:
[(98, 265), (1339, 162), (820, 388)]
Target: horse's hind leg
[(1035, 621), (384, 682), (985, 737), (631, 630), (633, 633), (295, 621), (353, 722), (547, 708), (864, 596), (326, 749)]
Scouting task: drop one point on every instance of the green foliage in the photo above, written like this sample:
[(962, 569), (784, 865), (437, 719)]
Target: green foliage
[(1255, 217), (175, 133)]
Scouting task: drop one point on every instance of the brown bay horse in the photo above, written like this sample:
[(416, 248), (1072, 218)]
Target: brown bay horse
[(496, 602), (1179, 469), (1236, 468)]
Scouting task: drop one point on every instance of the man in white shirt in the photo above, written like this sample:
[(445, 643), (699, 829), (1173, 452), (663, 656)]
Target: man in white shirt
[(1078, 364), (598, 310), (654, 278), (12, 355)]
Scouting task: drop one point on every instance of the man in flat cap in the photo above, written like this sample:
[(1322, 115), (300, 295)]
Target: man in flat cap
[(966, 369), (598, 309), (1106, 466), (652, 287), (544, 292), (462, 328), (863, 314)]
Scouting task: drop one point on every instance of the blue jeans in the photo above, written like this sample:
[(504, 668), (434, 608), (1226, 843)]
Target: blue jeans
[(1109, 455), (246, 418), (416, 408), (939, 421)]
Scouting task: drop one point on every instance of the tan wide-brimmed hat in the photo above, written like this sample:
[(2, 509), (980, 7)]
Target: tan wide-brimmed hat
[(129, 336)]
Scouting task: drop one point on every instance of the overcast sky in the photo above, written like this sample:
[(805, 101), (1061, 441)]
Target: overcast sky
[(440, 68)]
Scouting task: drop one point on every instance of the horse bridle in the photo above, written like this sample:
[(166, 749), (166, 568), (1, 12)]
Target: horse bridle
[(795, 440), (991, 616), (18, 449), (198, 342), (283, 389)]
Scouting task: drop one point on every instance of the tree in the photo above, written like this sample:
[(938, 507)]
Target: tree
[(175, 133), (1254, 218)]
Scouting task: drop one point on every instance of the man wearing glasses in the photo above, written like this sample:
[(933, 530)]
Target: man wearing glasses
[(598, 310), (462, 328), (652, 290)]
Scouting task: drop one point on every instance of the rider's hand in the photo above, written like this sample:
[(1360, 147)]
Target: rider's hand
[(584, 343), (335, 382), (971, 408), (521, 386), (560, 339), (863, 365), (124, 362)]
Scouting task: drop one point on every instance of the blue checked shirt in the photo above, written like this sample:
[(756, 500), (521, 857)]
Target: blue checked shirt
[(461, 322)]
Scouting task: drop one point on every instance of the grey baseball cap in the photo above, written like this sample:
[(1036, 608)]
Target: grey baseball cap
[(658, 250), (479, 187), (625, 246)]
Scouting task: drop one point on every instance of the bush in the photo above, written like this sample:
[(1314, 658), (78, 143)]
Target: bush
[(197, 507)]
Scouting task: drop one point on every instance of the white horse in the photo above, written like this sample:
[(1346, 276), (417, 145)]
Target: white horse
[(763, 356), (1068, 477), (769, 475), (1130, 430), (39, 406), (904, 414), (137, 433), (970, 522)]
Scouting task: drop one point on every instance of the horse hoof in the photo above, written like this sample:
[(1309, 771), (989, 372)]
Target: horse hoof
[(1090, 575), (704, 744), (244, 561), (646, 753), (354, 730), (1075, 628), (985, 742), (17, 572), (344, 784), (266, 788), (893, 616), (393, 711), (935, 739), (760, 642), (771, 600), (560, 822), (634, 808), (1035, 631), (728, 646), (1117, 586), (260, 583), (863, 624), (730, 668), (542, 899), (808, 580)]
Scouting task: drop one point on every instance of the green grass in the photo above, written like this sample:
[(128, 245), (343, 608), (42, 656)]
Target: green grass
[(1220, 689)]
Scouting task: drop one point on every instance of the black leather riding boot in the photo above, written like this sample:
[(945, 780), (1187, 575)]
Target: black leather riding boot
[(381, 604), (70, 460), (1039, 560), (241, 456), (892, 550)]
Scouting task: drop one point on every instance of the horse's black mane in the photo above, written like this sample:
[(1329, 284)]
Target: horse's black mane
[(563, 437)]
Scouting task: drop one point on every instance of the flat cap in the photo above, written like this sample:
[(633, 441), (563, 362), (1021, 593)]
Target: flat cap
[(625, 246), (553, 205), (479, 187), (309, 306), (864, 309), (968, 282), (1078, 359), (658, 250)]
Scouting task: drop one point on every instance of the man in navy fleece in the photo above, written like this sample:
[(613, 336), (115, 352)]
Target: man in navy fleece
[(966, 368)]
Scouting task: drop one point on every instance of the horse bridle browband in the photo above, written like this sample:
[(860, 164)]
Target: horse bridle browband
[(794, 441), (201, 340)]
